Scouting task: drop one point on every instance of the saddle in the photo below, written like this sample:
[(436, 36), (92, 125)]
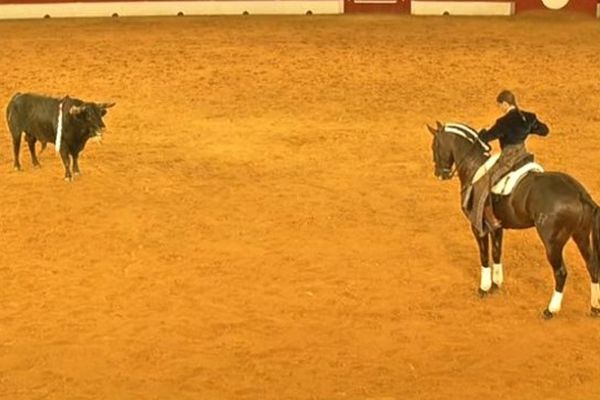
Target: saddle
[(507, 183)]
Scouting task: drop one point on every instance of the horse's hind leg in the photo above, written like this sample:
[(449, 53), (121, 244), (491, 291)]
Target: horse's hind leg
[(582, 239), (555, 238)]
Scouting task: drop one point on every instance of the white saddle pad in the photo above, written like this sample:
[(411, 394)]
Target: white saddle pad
[(507, 184)]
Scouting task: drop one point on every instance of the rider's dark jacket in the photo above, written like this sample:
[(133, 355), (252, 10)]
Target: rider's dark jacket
[(513, 128)]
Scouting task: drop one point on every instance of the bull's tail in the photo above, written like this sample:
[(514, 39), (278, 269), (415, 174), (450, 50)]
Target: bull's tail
[(10, 110), (14, 126)]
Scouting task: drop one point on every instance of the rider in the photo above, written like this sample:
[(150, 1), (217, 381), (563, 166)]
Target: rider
[(511, 130)]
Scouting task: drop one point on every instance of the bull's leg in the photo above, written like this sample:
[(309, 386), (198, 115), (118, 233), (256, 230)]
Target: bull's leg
[(76, 170), (31, 143), (15, 132), (484, 254), (497, 270), (16, 149), (66, 159)]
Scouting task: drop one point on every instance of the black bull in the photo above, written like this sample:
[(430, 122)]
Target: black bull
[(38, 117)]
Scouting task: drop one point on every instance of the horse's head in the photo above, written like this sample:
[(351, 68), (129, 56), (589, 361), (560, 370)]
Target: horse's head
[(442, 152)]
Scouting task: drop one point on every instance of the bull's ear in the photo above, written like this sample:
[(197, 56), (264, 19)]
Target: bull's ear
[(106, 105), (433, 131), (75, 110)]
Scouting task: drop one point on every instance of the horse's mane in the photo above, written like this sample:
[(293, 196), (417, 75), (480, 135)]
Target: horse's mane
[(466, 132)]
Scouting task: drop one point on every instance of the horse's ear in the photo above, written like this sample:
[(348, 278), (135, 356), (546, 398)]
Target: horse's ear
[(433, 131)]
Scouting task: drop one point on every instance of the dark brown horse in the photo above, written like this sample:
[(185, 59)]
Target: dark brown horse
[(554, 203)]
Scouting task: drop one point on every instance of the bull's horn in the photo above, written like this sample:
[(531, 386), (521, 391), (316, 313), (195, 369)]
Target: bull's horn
[(106, 105)]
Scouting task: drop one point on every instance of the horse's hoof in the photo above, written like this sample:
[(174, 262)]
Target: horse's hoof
[(17, 169), (595, 312), (37, 166), (482, 293), (76, 174), (547, 314), (68, 179)]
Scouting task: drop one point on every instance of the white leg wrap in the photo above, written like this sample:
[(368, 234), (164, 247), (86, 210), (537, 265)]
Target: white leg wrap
[(555, 302), (596, 295), (486, 278), (497, 274)]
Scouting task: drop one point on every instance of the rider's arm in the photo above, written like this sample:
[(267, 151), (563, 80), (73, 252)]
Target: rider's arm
[(495, 132)]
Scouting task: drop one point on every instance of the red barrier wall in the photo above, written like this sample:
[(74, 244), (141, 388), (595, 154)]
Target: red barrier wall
[(377, 6), (584, 6)]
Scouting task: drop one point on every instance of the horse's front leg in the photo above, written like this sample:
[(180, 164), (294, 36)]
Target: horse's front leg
[(484, 256), (497, 272)]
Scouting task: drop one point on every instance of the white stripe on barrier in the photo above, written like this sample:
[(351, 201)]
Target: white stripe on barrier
[(423, 7), (166, 8)]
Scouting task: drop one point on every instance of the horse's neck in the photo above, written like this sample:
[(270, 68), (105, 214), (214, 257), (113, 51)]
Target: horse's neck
[(470, 157)]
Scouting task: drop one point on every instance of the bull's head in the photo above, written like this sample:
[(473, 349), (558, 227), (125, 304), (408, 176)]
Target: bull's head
[(90, 116)]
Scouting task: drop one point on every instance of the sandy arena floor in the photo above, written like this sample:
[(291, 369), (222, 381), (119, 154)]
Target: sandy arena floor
[(262, 220)]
